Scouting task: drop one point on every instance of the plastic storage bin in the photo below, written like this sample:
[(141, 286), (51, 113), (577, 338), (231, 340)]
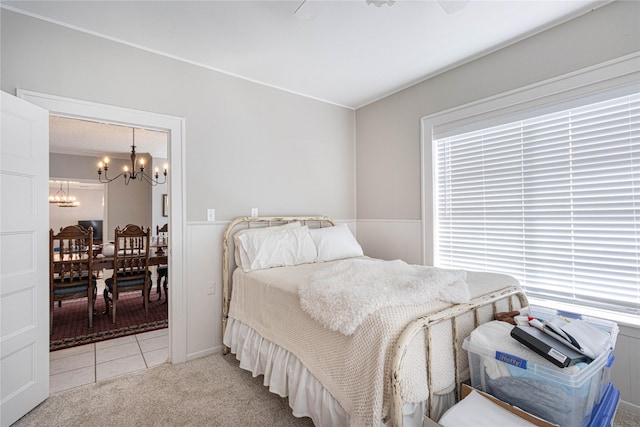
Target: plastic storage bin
[(604, 325), (561, 398)]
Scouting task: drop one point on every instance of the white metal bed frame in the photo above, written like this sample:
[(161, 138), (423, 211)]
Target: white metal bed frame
[(420, 324)]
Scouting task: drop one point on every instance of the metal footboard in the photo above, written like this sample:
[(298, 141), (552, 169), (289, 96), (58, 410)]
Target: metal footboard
[(424, 324)]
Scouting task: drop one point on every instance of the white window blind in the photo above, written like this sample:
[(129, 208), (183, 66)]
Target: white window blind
[(553, 200)]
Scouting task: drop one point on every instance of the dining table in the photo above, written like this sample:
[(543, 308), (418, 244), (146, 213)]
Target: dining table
[(157, 256), (101, 261)]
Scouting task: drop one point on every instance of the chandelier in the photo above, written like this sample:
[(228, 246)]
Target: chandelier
[(131, 174), (63, 198)]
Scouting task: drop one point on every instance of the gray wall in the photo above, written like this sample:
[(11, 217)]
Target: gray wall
[(247, 145), (90, 208), (388, 141), (388, 131), (125, 204), (388, 138)]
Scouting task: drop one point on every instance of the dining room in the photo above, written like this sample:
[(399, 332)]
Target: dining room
[(107, 176)]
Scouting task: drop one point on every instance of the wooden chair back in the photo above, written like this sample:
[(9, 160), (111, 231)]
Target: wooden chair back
[(163, 229), (70, 267), (161, 238), (130, 267), (131, 253)]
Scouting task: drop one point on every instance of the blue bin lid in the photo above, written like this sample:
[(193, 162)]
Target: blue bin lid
[(603, 413)]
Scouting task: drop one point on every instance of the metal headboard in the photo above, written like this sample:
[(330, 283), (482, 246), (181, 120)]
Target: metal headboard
[(254, 222)]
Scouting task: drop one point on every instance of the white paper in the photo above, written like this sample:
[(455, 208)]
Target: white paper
[(477, 411)]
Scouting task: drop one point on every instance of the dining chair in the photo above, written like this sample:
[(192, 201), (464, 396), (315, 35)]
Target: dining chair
[(162, 270), (70, 268), (130, 267)]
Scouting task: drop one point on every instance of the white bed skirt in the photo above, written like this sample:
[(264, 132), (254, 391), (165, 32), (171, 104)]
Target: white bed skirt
[(286, 376)]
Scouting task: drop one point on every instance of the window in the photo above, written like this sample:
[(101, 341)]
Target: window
[(552, 198)]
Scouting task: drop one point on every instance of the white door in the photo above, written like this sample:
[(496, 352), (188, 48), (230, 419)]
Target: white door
[(24, 257)]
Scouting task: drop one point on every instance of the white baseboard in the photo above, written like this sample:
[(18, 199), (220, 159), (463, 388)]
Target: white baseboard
[(634, 409), (204, 353)]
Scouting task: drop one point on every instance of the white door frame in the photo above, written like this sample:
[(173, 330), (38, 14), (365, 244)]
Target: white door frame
[(175, 126)]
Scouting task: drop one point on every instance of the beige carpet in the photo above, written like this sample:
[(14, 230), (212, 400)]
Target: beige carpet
[(211, 391)]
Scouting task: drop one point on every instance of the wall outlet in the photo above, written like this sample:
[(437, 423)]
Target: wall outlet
[(254, 212), (211, 288), (211, 214)]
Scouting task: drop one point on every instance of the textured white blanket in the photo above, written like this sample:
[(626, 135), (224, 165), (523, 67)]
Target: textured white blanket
[(355, 368), (341, 296)]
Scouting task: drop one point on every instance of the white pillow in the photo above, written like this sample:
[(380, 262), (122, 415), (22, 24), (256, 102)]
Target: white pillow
[(278, 248), (241, 255), (335, 243)]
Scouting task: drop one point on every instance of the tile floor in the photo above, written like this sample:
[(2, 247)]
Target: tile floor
[(91, 363)]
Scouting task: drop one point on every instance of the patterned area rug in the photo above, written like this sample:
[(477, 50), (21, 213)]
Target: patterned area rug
[(71, 325)]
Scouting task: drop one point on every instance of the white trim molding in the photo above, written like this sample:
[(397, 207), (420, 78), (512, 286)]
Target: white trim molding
[(175, 126)]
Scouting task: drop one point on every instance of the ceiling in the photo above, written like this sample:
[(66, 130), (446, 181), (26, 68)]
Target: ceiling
[(347, 53), (83, 137)]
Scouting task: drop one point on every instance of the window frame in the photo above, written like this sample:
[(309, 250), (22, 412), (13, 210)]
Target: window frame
[(618, 76)]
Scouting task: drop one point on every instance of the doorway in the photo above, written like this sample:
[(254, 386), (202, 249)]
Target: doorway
[(174, 126), (75, 149)]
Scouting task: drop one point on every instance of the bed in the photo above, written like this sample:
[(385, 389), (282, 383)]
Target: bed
[(377, 364)]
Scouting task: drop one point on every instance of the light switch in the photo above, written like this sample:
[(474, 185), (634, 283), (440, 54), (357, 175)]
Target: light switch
[(254, 211), (211, 214)]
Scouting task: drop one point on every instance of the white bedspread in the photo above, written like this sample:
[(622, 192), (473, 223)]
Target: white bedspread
[(342, 295), (352, 368)]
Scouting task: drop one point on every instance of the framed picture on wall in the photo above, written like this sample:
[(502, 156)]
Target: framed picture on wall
[(165, 205)]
